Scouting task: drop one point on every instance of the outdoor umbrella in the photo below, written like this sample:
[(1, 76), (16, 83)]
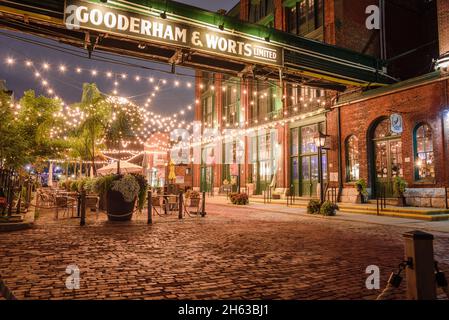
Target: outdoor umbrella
[(125, 167)]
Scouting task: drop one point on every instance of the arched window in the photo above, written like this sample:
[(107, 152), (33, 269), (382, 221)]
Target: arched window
[(424, 156), (352, 159)]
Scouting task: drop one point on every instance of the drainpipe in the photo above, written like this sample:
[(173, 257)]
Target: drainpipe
[(340, 169), (443, 131), (383, 47)]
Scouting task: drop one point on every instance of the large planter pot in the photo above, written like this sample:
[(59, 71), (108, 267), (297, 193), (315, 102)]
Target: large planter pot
[(117, 208), (401, 201), (360, 199)]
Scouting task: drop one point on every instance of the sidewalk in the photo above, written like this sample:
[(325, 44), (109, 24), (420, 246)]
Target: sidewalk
[(433, 226)]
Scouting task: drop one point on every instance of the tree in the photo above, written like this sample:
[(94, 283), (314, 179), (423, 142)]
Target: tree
[(37, 120), (124, 126), (96, 112), (12, 144)]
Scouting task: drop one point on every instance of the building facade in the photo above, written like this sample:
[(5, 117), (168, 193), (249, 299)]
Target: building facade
[(282, 120)]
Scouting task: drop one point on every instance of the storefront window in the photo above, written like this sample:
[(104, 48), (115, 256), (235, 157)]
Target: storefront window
[(352, 159), (230, 102), (307, 139), (425, 167)]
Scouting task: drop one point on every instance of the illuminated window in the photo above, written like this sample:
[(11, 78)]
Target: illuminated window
[(352, 159), (424, 156)]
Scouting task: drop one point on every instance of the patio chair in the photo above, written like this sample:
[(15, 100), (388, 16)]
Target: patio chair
[(66, 204)]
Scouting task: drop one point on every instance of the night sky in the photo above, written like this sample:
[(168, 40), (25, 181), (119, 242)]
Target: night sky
[(68, 85)]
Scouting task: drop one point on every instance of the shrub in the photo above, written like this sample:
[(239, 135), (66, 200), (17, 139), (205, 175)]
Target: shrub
[(239, 198), (127, 186), (361, 186), (328, 209), (399, 186), (74, 186), (313, 207)]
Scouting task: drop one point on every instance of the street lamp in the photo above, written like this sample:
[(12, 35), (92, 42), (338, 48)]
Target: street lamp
[(320, 143)]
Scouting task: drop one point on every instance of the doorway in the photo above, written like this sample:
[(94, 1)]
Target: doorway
[(388, 162)]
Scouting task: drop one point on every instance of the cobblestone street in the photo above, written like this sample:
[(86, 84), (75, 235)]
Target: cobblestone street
[(233, 253)]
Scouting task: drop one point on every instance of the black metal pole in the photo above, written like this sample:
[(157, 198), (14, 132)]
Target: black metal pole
[(83, 208), (203, 205), (180, 207), (320, 173), (150, 207)]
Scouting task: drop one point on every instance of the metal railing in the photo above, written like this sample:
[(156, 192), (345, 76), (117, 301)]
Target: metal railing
[(381, 198), (291, 196), (267, 195), (15, 193), (332, 195)]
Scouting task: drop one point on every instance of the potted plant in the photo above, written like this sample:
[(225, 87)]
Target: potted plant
[(194, 198), (361, 186), (240, 199), (328, 209), (121, 198), (143, 189), (399, 187), (313, 207)]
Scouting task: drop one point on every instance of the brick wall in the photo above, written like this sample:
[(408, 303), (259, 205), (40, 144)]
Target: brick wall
[(443, 25), (350, 27), (421, 104)]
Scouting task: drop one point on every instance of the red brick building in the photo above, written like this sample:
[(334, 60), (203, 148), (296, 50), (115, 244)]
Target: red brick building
[(358, 122)]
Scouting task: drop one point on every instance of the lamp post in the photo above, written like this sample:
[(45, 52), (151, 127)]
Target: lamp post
[(320, 142)]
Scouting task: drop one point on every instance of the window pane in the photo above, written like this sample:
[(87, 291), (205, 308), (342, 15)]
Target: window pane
[(425, 167), (307, 139), (352, 153)]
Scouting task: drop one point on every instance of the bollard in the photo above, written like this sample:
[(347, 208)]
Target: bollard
[(420, 273), (78, 207), (180, 199), (203, 205), (150, 207), (83, 208)]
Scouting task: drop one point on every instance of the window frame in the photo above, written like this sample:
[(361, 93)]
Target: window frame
[(416, 154)]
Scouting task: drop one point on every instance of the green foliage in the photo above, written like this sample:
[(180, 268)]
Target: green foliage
[(328, 209), (85, 140), (239, 198), (399, 186), (103, 184), (74, 186), (127, 186), (143, 189), (36, 118), (361, 186), (12, 143), (313, 207)]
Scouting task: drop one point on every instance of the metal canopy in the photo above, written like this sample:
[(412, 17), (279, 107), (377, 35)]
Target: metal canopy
[(305, 61)]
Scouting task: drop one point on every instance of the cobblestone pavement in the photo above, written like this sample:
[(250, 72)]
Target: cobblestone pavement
[(233, 253)]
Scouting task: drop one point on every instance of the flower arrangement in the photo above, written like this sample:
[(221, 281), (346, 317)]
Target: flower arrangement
[(239, 198), (225, 182), (127, 186)]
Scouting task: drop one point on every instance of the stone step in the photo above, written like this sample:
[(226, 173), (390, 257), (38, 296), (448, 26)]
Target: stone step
[(417, 216)]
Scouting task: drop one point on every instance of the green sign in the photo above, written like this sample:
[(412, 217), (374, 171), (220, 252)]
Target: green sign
[(150, 27)]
